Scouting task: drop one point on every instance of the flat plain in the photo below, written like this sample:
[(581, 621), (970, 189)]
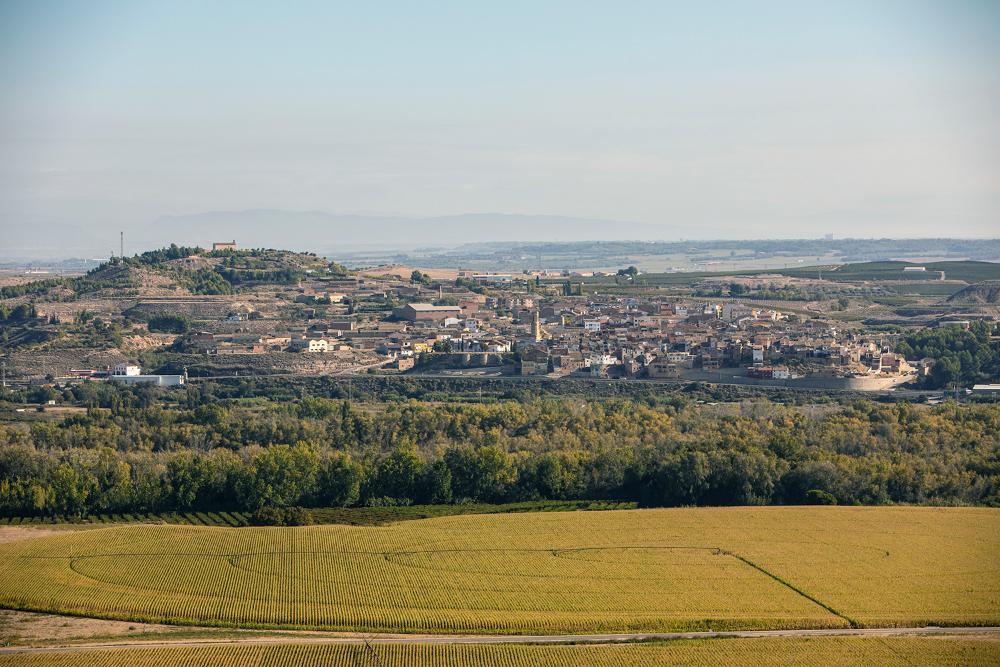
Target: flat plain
[(575, 572)]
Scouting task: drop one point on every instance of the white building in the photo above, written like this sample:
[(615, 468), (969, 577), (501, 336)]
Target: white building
[(493, 279), (311, 345), (129, 374)]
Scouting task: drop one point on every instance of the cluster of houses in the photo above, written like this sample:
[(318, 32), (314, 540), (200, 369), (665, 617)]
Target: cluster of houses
[(631, 337), (541, 332)]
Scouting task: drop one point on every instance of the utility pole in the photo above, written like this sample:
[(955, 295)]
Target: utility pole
[(3, 373)]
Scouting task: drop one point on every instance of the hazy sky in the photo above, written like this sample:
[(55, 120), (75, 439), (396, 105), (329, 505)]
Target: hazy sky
[(715, 119)]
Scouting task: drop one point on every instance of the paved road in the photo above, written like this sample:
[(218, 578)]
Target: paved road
[(355, 638)]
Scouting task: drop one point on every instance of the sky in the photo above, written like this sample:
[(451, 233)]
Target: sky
[(755, 119)]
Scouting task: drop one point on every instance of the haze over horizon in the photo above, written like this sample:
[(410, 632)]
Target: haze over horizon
[(647, 120)]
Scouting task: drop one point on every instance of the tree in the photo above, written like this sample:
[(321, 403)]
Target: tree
[(21, 313), (186, 477), (283, 475), (339, 481), (435, 486), (485, 474), (807, 476), (114, 483), (683, 480), (169, 323), (398, 474), (69, 491), (945, 372), (557, 476)]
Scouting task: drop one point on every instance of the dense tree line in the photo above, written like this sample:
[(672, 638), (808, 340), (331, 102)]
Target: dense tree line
[(204, 281), (961, 356), (24, 312), (169, 323), (34, 287), (132, 452), (282, 275), (161, 255)]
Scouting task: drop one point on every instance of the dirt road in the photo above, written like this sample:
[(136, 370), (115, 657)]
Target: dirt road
[(992, 633)]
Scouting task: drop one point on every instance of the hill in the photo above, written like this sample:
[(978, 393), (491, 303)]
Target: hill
[(179, 270), (969, 271), (986, 292)]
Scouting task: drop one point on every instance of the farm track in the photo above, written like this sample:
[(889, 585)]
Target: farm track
[(315, 638)]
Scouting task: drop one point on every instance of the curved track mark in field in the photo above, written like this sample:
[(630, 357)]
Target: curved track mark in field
[(402, 552), (396, 557)]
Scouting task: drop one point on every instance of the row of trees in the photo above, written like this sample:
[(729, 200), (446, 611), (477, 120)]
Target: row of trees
[(81, 482), (132, 452)]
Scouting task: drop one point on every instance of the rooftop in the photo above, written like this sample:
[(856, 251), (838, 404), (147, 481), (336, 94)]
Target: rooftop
[(426, 307)]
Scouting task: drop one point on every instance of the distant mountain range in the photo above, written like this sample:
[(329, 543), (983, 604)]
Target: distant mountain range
[(314, 231), (392, 237), (323, 232)]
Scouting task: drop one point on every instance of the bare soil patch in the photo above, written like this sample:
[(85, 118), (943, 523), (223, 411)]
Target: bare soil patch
[(17, 533), (26, 627), (405, 271)]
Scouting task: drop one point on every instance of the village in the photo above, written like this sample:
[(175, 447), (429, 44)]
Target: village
[(227, 312), (519, 325)]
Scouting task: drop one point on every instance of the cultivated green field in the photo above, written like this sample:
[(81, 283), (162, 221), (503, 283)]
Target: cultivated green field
[(819, 651), (629, 570)]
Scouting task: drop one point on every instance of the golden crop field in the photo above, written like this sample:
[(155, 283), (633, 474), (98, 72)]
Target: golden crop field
[(615, 571), (818, 651)]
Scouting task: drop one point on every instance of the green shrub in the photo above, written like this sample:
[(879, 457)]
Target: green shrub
[(819, 497), (169, 323), (281, 516)]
